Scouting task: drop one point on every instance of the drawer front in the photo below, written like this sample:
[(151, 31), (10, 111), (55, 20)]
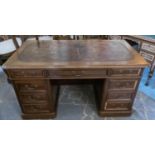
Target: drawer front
[(112, 95), (147, 56), (123, 84), (61, 74), (34, 98), (26, 73), (118, 105), (36, 108), (30, 86), (124, 72), (148, 47), (115, 37)]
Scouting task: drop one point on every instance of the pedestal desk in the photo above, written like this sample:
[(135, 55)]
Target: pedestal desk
[(37, 70)]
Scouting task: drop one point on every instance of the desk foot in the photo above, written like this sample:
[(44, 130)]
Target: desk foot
[(39, 116), (114, 113)]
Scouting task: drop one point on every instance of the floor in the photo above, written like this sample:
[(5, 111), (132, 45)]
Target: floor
[(75, 103), (150, 90)]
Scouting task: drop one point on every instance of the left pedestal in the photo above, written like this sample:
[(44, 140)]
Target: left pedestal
[(37, 98)]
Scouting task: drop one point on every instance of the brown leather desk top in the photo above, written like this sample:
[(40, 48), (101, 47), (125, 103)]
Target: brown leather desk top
[(75, 54)]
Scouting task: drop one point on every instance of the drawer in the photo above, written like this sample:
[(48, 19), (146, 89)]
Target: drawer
[(112, 95), (95, 73), (115, 37), (24, 86), (147, 56), (26, 73), (36, 108), (148, 47), (118, 105), (34, 98), (123, 84), (124, 72)]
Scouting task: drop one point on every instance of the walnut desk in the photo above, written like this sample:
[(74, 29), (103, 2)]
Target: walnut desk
[(112, 66)]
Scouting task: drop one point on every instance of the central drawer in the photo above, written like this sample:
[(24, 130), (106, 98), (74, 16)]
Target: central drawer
[(61, 74)]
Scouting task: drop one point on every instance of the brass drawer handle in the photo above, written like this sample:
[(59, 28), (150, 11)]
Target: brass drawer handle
[(34, 97), (39, 108), (122, 105), (27, 86), (34, 86), (22, 72), (36, 107), (32, 73), (30, 97), (31, 86), (77, 75)]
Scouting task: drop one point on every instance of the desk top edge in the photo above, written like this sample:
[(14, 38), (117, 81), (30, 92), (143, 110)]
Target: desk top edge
[(115, 64)]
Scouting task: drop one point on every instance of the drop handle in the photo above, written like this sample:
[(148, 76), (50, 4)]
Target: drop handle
[(36, 107), (31, 86), (34, 97), (77, 75)]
